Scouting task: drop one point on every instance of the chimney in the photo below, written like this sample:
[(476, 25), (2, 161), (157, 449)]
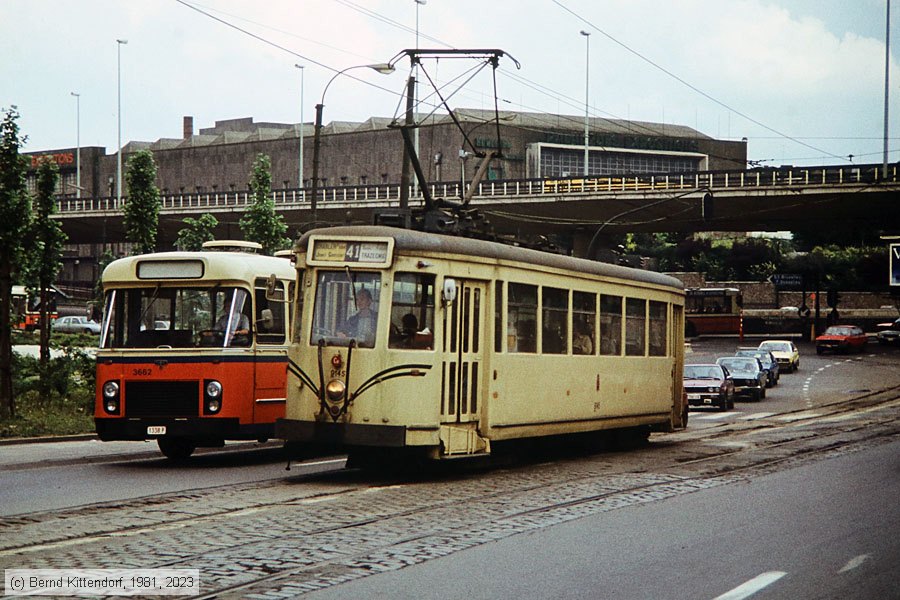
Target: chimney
[(188, 127)]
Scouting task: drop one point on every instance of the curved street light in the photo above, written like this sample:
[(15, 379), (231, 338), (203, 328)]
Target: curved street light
[(384, 69)]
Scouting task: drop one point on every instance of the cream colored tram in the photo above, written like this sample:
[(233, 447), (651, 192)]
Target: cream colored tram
[(447, 345)]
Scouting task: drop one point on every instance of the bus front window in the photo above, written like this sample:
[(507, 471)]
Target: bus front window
[(176, 317), (346, 308)]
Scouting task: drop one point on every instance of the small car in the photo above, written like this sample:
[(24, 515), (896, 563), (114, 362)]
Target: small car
[(75, 324), (748, 375), (709, 385), (773, 371), (785, 352), (842, 338), (889, 333)]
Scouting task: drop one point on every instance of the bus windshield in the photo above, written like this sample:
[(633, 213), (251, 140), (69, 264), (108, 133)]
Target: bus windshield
[(176, 317)]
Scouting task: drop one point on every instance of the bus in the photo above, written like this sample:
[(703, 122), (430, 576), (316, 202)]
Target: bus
[(713, 311), (193, 347), (441, 347), (26, 308)]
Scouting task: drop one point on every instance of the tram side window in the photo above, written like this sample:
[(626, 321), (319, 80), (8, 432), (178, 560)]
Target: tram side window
[(412, 312), (498, 317), (658, 328), (554, 318), (273, 334), (635, 326), (584, 315), (610, 325), (521, 318)]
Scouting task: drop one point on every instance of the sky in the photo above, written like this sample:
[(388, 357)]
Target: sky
[(802, 80)]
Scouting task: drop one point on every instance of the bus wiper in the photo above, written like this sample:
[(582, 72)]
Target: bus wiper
[(149, 304)]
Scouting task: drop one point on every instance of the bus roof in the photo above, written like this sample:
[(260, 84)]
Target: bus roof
[(197, 266), (409, 240)]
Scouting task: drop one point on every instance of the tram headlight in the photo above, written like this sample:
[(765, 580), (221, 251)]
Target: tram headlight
[(110, 391), (335, 389), (212, 397)]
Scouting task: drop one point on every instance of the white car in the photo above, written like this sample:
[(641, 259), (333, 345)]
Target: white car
[(75, 325), (785, 352)]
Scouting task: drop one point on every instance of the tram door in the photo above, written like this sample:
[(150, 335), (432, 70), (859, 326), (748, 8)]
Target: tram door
[(463, 352)]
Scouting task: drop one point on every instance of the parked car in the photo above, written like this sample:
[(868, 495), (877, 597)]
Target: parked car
[(709, 385), (889, 333), (748, 375), (773, 371), (842, 338), (75, 324), (785, 352)]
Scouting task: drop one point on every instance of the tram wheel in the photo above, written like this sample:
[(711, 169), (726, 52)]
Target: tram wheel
[(176, 448)]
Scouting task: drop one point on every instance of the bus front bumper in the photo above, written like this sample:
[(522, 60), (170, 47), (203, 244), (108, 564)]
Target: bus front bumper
[(149, 428)]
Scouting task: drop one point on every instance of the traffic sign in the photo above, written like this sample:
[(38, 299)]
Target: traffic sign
[(792, 281), (895, 265)]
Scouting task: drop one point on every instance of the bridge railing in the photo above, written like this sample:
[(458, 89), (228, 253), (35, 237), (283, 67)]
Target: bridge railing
[(764, 177)]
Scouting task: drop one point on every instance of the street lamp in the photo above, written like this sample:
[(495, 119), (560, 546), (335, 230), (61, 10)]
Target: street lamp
[(384, 69), (300, 178), (587, 59), (77, 144), (119, 44)]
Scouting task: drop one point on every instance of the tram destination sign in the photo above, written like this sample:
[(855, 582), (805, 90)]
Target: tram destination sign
[(341, 251)]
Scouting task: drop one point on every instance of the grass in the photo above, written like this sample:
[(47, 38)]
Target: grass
[(58, 417)]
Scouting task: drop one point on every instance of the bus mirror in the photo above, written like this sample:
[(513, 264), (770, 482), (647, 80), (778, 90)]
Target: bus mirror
[(267, 319), (273, 292), (448, 295)]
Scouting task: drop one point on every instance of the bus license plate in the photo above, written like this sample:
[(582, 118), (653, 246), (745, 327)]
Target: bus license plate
[(156, 430)]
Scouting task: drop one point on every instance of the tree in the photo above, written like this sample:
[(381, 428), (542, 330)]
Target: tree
[(45, 256), (15, 218), (142, 204), (195, 232), (261, 223)]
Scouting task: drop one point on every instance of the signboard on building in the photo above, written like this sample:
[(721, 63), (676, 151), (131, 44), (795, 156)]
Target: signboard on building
[(895, 265)]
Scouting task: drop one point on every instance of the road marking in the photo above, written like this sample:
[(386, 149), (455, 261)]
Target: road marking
[(745, 590), (855, 562), (715, 416)]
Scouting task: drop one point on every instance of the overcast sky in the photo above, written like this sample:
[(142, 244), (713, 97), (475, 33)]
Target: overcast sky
[(802, 80)]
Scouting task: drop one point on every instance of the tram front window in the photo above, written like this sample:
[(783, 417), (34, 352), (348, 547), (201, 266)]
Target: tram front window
[(346, 308), (176, 317)]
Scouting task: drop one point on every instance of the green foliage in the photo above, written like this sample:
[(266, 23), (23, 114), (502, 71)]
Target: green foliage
[(196, 231), (143, 203), (260, 222), (15, 218)]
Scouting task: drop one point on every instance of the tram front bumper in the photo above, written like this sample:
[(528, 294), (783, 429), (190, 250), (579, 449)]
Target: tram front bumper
[(340, 434)]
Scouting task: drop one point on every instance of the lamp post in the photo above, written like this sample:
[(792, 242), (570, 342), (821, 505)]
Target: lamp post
[(587, 61), (887, 69), (119, 44), (77, 144), (384, 69), (300, 178)]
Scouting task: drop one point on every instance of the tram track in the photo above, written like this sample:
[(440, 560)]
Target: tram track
[(348, 510)]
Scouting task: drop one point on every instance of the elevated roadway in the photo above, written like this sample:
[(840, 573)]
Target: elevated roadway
[(789, 198)]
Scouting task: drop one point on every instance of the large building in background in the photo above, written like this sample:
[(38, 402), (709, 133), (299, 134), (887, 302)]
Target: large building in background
[(532, 145)]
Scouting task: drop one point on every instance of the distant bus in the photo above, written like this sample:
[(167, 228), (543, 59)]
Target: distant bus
[(26, 309), (713, 311)]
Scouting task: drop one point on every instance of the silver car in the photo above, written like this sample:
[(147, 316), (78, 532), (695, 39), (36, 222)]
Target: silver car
[(74, 324)]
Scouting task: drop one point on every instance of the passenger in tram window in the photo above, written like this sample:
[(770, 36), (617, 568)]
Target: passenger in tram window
[(583, 339), (363, 324)]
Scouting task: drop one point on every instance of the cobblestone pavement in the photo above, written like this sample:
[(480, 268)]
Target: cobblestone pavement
[(283, 538)]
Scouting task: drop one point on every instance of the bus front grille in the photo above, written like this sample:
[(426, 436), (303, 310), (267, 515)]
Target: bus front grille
[(162, 398)]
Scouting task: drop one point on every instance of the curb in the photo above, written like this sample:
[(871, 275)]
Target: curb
[(78, 437)]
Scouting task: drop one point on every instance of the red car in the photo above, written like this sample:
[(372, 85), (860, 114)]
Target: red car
[(842, 338)]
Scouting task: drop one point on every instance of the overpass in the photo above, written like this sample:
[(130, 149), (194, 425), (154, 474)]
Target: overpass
[(764, 199)]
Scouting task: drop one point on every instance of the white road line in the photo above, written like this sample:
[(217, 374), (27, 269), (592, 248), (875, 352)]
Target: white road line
[(713, 417), (745, 590), (855, 562)]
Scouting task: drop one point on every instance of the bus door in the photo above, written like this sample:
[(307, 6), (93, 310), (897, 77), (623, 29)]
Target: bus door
[(463, 352)]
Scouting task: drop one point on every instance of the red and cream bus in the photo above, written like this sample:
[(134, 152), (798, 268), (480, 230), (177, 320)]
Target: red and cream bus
[(713, 311), (193, 347)]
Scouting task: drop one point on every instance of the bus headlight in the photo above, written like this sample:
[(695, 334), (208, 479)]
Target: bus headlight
[(335, 389), (212, 396), (110, 391)]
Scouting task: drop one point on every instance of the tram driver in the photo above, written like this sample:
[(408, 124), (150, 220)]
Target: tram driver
[(363, 324)]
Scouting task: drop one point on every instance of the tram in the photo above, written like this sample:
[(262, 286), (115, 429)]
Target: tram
[(410, 342), (193, 347)]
